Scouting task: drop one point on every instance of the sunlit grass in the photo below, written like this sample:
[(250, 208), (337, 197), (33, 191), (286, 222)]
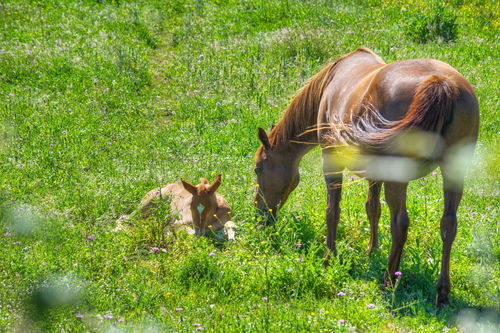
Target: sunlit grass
[(101, 101)]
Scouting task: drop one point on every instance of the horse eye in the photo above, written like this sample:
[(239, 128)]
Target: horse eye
[(258, 171)]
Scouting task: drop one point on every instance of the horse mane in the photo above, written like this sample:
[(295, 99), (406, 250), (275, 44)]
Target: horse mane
[(302, 112)]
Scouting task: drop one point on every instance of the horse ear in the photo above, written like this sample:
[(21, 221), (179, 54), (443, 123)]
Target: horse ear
[(189, 187), (264, 139), (215, 185)]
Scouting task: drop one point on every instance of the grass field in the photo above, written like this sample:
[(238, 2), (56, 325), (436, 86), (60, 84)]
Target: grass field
[(101, 101)]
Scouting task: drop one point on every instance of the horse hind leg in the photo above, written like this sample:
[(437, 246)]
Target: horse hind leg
[(452, 196), (395, 194), (373, 211)]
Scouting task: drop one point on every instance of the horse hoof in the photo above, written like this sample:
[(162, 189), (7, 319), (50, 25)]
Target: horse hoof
[(388, 280), (442, 301), (372, 251)]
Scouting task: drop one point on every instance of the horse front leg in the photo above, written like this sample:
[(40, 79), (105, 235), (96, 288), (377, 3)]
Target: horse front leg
[(373, 211), (452, 197), (334, 195), (333, 181), (395, 195)]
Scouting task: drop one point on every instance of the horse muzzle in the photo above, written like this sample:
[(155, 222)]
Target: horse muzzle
[(266, 216)]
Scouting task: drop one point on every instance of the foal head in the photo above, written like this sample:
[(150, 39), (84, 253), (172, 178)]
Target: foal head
[(277, 176), (204, 202)]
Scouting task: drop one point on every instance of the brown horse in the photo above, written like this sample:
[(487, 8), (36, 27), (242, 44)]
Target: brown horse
[(390, 123)]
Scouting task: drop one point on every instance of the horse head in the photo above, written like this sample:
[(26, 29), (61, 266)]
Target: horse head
[(204, 202), (277, 176)]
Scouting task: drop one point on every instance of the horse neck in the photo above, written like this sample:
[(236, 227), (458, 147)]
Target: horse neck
[(294, 150), (296, 132)]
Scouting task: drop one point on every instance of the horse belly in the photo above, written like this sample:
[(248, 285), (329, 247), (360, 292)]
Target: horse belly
[(392, 168)]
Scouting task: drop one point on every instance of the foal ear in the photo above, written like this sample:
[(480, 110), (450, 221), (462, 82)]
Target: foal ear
[(215, 185), (264, 139), (189, 187)]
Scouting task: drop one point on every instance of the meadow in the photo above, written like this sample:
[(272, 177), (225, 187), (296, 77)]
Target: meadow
[(102, 101)]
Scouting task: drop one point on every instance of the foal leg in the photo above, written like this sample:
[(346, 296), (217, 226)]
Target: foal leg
[(452, 196), (395, 195), (373, 212)]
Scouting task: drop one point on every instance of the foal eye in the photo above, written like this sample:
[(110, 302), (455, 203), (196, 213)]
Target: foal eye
[(258, 171)]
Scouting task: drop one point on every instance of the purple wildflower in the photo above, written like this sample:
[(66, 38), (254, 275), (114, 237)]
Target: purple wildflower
[(196, 324), (341, 293), (108, 143), (371, 306), (64, 132), (434, 174), (90, 238), (179, 309), (351, 178), (264, 299), (79, 315), (398, 273), (298, 244), (7, 234), (473, 213), (121, 320), (17, 243), (154, 249), (218, 103), (107, 316), (211, 254), (105, 90), (20, 165), (11, 95), (238, 179), (300, 259), (341, 321)]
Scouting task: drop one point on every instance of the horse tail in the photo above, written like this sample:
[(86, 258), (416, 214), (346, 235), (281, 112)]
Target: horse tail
[(432, 103)]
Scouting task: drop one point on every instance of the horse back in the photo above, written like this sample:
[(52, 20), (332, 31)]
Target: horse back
[(352, 72)]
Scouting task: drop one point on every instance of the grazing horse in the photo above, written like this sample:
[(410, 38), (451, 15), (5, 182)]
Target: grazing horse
[(389, 123), (197, 206)]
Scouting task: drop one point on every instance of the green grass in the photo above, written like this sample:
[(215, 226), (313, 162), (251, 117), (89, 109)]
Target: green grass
[(113, 98)]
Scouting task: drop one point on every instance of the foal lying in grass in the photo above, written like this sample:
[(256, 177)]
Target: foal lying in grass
[(199, 207)]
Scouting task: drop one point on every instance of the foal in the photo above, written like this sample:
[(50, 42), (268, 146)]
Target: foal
[(197, 206)]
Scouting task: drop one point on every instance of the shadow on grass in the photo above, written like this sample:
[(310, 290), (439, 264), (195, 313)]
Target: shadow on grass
[(416, 292)]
